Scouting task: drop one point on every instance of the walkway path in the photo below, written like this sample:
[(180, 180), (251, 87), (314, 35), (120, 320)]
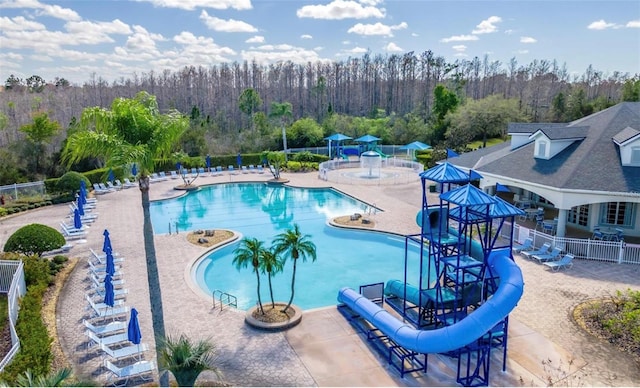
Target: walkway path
[(324, 350)]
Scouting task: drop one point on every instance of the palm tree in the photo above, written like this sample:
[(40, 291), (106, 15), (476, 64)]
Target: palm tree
[(271, 264), (59, 378), (186, 360), (133, 131), (282, 112), (248, 253), (296, 245)]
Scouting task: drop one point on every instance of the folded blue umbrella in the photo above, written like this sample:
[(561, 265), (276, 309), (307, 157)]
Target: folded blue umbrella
[(109, 294), (133, 329), (77, 221)]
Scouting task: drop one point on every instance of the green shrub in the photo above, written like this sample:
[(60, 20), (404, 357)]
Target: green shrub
[(3, 212), (34, 239), (51, 185), (70, 182)]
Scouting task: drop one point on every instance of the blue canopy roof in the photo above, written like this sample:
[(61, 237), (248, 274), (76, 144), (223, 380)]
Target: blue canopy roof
[(416, 145), (338, 137), (467, 195), (367, 139), (445, 173), (503, 209)]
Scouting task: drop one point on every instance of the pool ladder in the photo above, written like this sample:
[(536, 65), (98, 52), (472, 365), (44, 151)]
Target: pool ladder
[(224, 299)]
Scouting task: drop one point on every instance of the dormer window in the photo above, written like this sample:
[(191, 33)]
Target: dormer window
[(541, 149), (635, 156)]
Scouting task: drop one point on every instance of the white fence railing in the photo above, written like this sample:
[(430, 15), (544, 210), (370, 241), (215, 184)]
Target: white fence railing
[(15, 290), (391, 171), (582, 248)]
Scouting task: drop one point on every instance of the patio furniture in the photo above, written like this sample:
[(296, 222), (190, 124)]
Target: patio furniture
[(609, 234), (565, 262), (531, 213), (544, 249), (140, 369), (597, 234)]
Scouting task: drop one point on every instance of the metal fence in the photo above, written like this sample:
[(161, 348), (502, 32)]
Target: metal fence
[(13, 284), (583, 248), (391, 171), (22, 190)]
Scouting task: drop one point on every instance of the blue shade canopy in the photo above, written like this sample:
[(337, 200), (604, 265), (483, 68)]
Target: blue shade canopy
[(338, 137), (467, 195), (451, 153), (502, 188), (109, 294), (106, 245), (77, 221), (416, 145), (503, 209), (445, 173), (133, 329), (367, 139), (474, 176)]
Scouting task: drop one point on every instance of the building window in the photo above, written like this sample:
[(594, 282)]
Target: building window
[(541, 149), (635, 156), (617, 213), (579, 215)]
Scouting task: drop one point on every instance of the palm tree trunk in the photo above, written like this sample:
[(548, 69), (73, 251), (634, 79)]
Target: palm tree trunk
[(293, 284), (273, 303), (259, 299), (155, 295)]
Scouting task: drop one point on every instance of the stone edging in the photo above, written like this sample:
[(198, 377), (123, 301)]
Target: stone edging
[(274, 326)]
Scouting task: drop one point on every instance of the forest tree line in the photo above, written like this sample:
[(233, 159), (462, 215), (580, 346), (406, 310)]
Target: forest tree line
[(244, 106)]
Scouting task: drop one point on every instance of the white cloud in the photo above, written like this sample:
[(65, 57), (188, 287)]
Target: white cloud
[(600, 25), (392, 47), (527, 39), (375, 29), (508, 32), (487, 26), (255, 39), (459, 38), (19, 23), (54, 11), (355, 50), (230, 25), (459, 48), (414, 34), (280, 53), (306, 36), (99, 28), (190, 5), (341, 9), (633, 24)]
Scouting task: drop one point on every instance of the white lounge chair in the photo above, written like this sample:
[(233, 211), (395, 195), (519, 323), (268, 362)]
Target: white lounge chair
[(108, 312), (103, 187), (99, 305), (203, 172), (107, 340), (112, 327), (98, 282), (118, 293), (121, 185), (565, 262), (244, 169), (99, 190), (113, 186), (125, 352), (544, 249), (218, 170), (100, 269), (139, 369), (101, 258), (128, 183), (72, 234), (260, 169), (252, 169)]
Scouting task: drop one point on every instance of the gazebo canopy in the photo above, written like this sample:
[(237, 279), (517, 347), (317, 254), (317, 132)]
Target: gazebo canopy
[(367, 139), (338, 137)]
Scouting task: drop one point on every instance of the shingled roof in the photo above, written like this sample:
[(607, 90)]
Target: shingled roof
[(592, 163)]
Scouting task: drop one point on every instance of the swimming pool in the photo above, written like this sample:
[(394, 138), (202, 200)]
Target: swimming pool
[(345, 257)]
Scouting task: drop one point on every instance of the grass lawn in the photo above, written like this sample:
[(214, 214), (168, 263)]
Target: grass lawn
[(4, 311), (477, 144)]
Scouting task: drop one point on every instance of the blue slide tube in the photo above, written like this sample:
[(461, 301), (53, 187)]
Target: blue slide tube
[(447, 338)]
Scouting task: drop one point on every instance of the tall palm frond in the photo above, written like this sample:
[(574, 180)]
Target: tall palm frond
[(248, 253)]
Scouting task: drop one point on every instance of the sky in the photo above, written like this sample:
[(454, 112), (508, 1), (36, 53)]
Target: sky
[(80, 40)]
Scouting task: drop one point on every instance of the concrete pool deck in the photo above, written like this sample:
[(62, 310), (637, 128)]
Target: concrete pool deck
[(324, 350)]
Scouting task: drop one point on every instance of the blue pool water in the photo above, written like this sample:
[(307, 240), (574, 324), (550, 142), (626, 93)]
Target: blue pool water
[(345, 257)]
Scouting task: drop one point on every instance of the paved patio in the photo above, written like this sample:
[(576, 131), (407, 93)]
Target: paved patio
[(324, 350)]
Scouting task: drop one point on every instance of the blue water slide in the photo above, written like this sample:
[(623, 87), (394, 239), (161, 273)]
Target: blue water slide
[(447, 338)]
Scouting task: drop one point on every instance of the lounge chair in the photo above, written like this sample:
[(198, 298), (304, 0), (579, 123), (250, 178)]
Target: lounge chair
[(125, 352), (103, 187), (101, 258), (244, 169), (203, 172), (99, 190), (553, 256), (72, 233), (128, 183), (231, 170), (113, 186), (112, 327), (544, 250), (99, 305), (108, 312), (121, 185), (565, 262), (155, 178), (174, 174), (526, 245), (114, 339), (218, 170), (118, 293), (100, 269), (139, 369), (260, 169), (98, 282)]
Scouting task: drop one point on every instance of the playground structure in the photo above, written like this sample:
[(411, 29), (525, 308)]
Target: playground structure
[(468, 284)]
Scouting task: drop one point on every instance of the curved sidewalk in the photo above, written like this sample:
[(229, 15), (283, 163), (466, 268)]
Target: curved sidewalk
[(324, 350)]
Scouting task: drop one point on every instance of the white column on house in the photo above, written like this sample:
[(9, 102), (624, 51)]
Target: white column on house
[(561, 228)]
